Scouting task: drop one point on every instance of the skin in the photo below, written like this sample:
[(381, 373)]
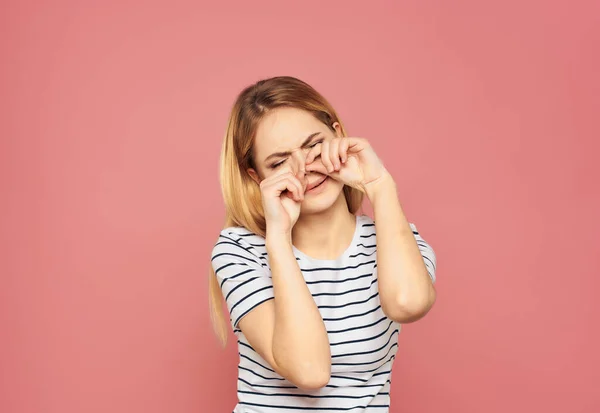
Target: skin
[(288, 332)]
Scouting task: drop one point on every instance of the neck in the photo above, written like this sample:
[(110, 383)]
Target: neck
[(325, 235)]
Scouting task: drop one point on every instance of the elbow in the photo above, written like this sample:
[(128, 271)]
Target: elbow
[(313, 378), (306, 371), (313, 382), (407, 308)]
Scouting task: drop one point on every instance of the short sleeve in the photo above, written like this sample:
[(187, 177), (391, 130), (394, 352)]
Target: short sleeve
[(242, 273), (427, 253)]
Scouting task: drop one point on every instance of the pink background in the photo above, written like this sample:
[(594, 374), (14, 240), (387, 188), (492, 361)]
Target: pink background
[(111, 123)]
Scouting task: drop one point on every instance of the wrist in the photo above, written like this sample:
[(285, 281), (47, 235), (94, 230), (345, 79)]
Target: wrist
[(278, 239), (382, 185)]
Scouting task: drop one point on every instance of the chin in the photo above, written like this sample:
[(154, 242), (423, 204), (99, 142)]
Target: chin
[(321, 199)]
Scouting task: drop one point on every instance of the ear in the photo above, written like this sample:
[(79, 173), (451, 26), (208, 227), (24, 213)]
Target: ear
[(254, 175), (338, 129)]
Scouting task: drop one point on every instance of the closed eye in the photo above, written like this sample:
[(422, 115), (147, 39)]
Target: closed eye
[(277, 164), (312, 145)]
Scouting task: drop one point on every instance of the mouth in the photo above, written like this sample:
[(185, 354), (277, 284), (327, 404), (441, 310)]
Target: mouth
[(316, 183)]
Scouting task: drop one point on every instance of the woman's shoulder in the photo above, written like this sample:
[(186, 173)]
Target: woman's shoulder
[(367, 223), (240, 233), (239, 240)]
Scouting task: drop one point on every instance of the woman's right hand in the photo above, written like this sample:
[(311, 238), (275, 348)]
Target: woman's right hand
[(282, 195)]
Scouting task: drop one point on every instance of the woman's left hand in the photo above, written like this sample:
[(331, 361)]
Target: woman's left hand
[(351, 161)]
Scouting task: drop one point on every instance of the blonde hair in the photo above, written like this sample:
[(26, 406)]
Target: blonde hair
[(241, 194)]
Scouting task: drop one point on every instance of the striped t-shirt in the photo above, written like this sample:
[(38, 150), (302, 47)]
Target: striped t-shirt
[(363, 340)]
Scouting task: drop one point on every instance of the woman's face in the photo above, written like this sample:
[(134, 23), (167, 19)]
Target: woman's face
[(283, 139)]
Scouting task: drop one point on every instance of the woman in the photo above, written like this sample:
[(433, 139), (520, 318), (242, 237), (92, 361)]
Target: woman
[(316, 298)]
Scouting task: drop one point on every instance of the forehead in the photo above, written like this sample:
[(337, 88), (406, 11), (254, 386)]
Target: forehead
[(284, 129)]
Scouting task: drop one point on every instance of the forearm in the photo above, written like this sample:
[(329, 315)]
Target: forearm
[(300, 343), (405, 288)]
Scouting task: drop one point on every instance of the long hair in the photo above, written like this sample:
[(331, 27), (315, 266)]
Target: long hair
[(241, 194)]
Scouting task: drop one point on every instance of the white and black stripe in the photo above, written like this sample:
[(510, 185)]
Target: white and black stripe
[(363, 340)]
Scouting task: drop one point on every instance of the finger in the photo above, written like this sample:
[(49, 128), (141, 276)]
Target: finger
[(344, 149), (325, 158), (293, 185), (299, 158), (301, 177), (317, 166), (313, 153), (301, 169), (302, 180), (271, 181), (356, 144), (300, 186), (334, 153), (282, 182), (285, 170)]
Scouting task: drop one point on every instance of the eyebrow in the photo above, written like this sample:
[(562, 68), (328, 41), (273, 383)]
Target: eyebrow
[(287, 153)]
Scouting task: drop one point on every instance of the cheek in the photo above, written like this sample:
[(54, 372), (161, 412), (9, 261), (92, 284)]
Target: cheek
[(264, 172), (335, 187)]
